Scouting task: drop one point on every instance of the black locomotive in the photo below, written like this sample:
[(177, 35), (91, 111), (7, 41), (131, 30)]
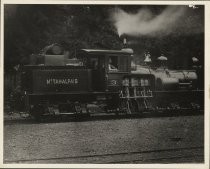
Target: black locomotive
[(53, 84)]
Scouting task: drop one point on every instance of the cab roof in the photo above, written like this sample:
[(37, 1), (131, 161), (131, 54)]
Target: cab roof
[(102, 51)]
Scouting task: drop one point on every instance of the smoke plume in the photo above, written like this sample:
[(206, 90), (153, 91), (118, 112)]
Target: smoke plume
[(144, 22)]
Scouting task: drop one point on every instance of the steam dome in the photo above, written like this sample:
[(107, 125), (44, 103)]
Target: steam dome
[(128, 50)]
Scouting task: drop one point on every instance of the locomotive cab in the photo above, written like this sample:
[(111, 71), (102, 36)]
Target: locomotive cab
[(54, 84), (108, 68)]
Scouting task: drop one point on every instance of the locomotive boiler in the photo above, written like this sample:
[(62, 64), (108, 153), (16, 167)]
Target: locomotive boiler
[(173, 89), (54, 84)]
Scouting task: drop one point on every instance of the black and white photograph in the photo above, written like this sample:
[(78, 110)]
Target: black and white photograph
[(106, 83)]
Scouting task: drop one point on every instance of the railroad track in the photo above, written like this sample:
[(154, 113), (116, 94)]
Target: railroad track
[(173, 155), (30, 120)]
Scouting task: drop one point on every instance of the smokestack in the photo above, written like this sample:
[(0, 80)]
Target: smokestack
[(125, 46), (124, 41)]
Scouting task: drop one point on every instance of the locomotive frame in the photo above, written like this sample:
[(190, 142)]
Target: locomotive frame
[(64, 86)]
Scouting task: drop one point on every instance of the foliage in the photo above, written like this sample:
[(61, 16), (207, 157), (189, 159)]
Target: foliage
[(29, 28)]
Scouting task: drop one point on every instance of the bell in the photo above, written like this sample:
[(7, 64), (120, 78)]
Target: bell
[(195, 60), (162, 58), (124, 41), (147, 59)]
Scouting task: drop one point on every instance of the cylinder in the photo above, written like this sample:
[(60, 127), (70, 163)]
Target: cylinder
[(167, 83)]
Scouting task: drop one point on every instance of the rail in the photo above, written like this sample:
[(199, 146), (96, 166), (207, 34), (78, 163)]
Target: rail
[(156, 155)]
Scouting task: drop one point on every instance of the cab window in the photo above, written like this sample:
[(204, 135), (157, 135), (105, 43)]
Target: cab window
[(124, 64), (113, 63), (94, 63), (118, 63)]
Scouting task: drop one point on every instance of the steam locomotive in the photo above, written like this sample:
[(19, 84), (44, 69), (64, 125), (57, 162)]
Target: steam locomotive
[(53, 84)]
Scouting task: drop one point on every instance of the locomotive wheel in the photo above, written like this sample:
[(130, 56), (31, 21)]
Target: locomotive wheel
[(141, 106), (124, 106), (37, 112), (129, 106), (133, 105), (195, 106)]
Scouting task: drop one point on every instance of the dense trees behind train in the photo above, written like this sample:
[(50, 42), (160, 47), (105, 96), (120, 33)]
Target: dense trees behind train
[(30, 27)]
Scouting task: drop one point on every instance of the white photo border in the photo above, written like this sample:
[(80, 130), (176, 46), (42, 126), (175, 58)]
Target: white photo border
[(205, 165)]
